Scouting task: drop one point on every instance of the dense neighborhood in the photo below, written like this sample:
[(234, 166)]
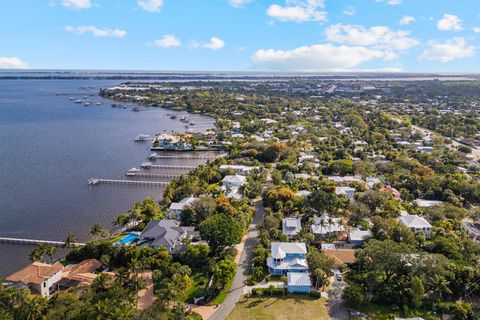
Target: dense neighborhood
[(355, 200)]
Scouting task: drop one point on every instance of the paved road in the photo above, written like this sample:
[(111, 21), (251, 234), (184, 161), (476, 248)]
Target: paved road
[(242, 269), (336, 307)]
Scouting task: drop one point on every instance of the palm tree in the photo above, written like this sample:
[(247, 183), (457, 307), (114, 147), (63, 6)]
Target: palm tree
[(439, 286), (69, 241), (34, 308), (50, 251), (36, 254), (98, 230)]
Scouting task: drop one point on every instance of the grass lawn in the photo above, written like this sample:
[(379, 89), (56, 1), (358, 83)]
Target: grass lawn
[(380, 312), (197, 289), (292, 307), (223, 295)]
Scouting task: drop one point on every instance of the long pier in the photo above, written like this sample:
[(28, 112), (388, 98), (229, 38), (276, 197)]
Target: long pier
[(36, 242), (149, 165), (97, 181), (154, 175), (153, 157)]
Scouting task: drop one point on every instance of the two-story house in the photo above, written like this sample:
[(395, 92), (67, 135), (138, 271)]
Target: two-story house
[(417, 224), (287, 257)]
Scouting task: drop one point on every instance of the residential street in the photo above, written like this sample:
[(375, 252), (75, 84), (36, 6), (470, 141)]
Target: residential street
[(242, 269), (337, 309)]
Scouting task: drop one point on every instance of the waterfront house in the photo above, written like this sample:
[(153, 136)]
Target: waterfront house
[(346, 191), (239, 169), (417, 224), (170, 142), (291, 226), (299, 282), (39, 277), (167, 233), (287, 257), (81, 274), (358, 237), (232, 184), (176, 208), (326, 225)]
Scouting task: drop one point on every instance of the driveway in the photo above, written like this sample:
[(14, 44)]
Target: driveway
[(238, 284), (337, 309)]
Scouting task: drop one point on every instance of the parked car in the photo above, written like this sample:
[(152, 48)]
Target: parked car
[(339, 277)]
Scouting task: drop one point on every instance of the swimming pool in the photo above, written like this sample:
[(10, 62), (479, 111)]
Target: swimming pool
[(128, 239)]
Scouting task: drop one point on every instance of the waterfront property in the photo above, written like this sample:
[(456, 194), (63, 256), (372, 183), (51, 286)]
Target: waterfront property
[(39, 277), (176, 208), (81, 274), (237, 168), (170, 142), (167, 233), (287, 257)]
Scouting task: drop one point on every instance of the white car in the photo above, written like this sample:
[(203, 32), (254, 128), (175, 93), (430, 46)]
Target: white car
[(339, 277)]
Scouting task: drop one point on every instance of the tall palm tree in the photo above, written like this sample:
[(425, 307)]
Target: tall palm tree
[(36, 254), (97, 230), (50, 251), (34, 308), (70, 241)]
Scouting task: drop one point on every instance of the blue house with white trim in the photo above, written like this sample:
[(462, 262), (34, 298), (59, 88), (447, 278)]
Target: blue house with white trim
[(287, 257), (299, 282)]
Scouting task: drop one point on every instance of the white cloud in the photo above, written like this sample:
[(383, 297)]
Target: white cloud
[(214, 44), (456, 48), (319, 57), (168, 41), (449, 22), (96, 32), (150, 5), (350, 11), (476, 29), (391, 2), (77, 4), (376, 36), (406, 20), (12, 63), (239, 3), (298, 11)]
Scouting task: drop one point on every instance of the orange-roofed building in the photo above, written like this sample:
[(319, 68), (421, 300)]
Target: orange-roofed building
[(38, 277), (394, 192)]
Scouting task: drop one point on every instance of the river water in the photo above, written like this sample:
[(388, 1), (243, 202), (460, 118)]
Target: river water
[(50, 147)]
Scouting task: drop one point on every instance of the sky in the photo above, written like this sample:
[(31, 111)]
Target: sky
[(241, 35)]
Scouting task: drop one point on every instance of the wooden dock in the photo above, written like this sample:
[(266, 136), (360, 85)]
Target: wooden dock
[(154, 175), (149, 165), (34, 242), (97, 181), (187, 157)]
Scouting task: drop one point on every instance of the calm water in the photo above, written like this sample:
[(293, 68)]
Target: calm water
[(49, 147)]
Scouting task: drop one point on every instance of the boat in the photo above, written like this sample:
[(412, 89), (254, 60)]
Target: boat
[(146, 165), (184, 119), (142, 137), (153, 156), (78, 101), (98, 103), (71, 98), (136, 109), (173, 117), (86, 103), (132, 172)]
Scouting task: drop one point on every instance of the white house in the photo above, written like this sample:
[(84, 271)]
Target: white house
[(239, 169), (417, 224), (325, 225), (346, 191), (176, 208), (40, 277), (357, 237), (291, 226), (232, 184)]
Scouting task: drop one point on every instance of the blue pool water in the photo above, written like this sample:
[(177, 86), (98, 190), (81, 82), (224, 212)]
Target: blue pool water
[(128, 239)]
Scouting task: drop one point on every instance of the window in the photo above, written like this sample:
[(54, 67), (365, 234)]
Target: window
[(44, 284)]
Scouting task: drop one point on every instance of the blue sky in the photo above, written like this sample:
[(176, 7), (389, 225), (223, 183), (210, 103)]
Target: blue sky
[(241, 35)]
